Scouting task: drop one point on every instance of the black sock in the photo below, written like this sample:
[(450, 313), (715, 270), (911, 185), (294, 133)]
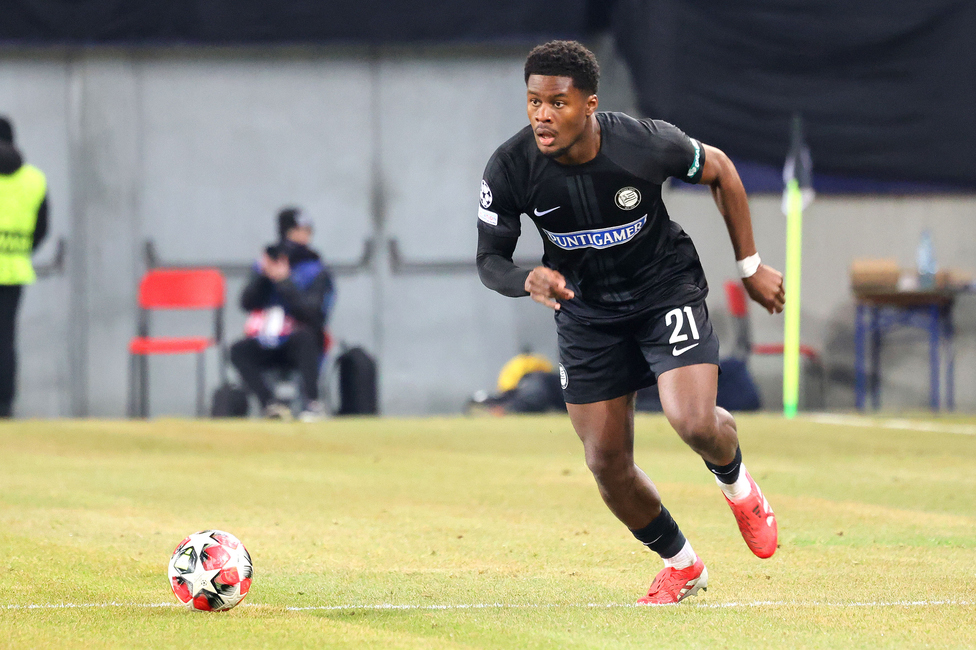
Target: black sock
[(662, 535), (728, 474)]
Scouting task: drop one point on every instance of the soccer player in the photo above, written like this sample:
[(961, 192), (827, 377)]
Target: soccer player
[(628, 292)]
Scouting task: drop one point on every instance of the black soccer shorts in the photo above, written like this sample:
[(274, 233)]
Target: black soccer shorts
[(601, 361)]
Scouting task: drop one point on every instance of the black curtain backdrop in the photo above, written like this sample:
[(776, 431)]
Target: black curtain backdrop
[(287, 21), (887, 88)]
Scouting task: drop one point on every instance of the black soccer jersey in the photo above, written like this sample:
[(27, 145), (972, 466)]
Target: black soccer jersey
[(603, 223)]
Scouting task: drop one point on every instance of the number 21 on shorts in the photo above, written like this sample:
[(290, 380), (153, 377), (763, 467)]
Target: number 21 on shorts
[(676, 318)]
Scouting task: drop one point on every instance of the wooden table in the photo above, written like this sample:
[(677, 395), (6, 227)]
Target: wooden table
[(879, 312)]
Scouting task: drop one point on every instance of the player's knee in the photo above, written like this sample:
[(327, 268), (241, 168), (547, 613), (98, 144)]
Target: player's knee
[(608, 465), (725, 418), (696, 427)]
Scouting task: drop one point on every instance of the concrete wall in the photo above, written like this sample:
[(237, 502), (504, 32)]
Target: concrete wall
[(197, 149)]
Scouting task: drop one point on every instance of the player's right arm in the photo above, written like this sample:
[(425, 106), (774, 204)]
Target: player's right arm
[(499, 227), (500, 273), (495, 266)]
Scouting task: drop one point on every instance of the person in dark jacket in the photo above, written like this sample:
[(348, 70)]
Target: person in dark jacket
[(289, 297), (23, 226)]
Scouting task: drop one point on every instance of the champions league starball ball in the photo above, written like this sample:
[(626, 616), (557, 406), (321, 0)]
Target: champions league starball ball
[(210, 571)]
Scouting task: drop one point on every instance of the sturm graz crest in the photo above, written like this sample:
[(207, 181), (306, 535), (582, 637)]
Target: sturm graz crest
[(627, 198)]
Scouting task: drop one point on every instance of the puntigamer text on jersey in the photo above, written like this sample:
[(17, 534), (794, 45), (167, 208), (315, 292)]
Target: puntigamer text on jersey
[(599, 238)]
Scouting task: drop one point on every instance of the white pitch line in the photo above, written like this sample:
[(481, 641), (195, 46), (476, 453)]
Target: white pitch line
[(463, 606), (758, 603), (87, 605), (895, 423)]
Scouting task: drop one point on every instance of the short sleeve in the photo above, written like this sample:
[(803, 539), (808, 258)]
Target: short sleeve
[(681, 157), (499, 210)]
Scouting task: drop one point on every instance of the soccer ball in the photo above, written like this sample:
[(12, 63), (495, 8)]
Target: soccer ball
[(210, 571)]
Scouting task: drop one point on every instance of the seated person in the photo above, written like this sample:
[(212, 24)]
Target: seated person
[(527, 383), (289, 297)]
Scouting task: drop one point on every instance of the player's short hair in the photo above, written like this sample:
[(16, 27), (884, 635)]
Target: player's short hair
[(565, 59)]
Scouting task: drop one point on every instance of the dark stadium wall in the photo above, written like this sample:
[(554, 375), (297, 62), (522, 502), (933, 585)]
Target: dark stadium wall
[(887, 87), (289, 21)]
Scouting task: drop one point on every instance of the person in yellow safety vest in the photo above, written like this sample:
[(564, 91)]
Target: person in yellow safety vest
[(23, 225)]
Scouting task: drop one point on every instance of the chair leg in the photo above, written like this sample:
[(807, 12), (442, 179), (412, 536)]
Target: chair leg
[(823, 385), (875, 359), (201, 377), (130, 408), (326, 384), (860, 361), (143, 386), (324, 388), (950, 355)]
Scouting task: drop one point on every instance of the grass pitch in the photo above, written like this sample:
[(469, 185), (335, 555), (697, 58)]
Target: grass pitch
[(488, 533)]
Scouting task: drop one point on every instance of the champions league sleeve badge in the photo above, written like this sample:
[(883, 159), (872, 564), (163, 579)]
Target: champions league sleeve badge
[(485, 195), (486, 215)]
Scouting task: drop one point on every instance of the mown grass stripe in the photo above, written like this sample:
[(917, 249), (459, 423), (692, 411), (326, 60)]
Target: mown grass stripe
[(763, 603), (462, 606)]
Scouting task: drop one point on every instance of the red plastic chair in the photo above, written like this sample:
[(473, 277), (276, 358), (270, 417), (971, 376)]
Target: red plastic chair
[(174, 289), (738, 304)]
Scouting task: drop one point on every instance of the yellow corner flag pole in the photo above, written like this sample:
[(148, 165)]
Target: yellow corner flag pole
[(791, 325)]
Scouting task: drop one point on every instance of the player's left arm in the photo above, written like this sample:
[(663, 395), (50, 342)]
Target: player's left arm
[(763, 283)]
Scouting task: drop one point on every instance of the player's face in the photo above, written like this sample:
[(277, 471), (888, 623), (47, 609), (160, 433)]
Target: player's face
[(558, 113)]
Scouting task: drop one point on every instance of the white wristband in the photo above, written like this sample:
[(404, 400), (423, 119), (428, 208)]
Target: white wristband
[(748, 266)]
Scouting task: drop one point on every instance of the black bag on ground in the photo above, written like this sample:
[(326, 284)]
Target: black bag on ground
[(736, 389), (229, 401), (357, 383)]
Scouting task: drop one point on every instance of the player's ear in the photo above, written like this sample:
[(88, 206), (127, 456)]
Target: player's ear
[(591, 104)]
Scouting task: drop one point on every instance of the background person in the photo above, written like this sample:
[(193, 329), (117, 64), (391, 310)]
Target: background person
[(23, 226), (289, 298), (527, 383)]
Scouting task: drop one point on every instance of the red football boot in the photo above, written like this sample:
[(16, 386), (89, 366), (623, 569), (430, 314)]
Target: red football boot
[(756, 520), (674, 585)]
